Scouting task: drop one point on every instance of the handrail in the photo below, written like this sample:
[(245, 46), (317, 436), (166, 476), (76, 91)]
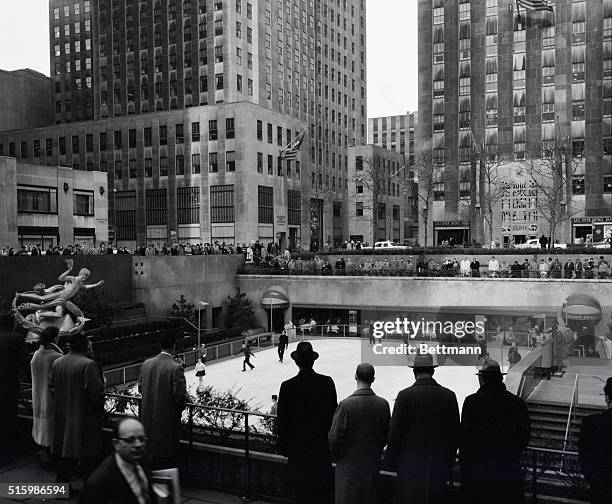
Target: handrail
[(569, 414)]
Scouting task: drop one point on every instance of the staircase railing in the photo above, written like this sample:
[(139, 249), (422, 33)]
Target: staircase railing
[(571, 413)]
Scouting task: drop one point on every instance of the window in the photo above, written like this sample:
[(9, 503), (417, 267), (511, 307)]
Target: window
[(229, 127), (607, 184), (230, 161), (188, 205), (163, 135), (218, 27), (239, 83), (270, 134), (218, 81), (36, 148), (118, 170), (294, 207), (259, 130), (163, 166), (62, 147), (155, 206), (222, 203), (213, 166), (132, 138), (260, 162), (212, 130), (180, 164), (270, 165), (578, 184), (148, 137), (117, 138), (36, 199), (148, 167), (195, 132), (265, 200), (359, 209), (195, 164), (178, 130)]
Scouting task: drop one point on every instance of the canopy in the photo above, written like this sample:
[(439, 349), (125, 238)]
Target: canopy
[(275, 297), (581, 307)]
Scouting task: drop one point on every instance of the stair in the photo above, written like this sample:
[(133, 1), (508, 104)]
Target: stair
[(549, 421)]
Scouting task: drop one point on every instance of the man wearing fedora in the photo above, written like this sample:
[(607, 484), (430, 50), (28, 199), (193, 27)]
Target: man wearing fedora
[(495, 429), (306, 405), (77, 384), (423, 438), (595, 450), (13, 363)]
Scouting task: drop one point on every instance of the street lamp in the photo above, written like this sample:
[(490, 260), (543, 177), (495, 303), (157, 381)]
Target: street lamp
[(204, 304)]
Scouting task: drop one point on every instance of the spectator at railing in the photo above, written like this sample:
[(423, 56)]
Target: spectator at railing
[(493, 267), (603, 268), (543, 269)]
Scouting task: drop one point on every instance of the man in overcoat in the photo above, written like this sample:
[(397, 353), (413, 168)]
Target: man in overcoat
[(164, 397), (423, 438), (306, 406), (356, 440), (495, 429), (595, 450), (13, 363), (77, 384)]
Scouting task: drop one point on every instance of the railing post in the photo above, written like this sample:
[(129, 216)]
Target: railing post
[(190, 455), (247, 457), (534, 477)]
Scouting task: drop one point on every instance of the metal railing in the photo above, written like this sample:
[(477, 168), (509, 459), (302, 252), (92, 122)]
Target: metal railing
[(126, 374), (571, 413)]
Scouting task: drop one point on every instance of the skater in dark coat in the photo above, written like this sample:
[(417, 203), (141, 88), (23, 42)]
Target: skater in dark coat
[(283, 344), (246, 351), (495, 430)]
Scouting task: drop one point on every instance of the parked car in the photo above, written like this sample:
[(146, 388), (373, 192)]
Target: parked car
[(605, 244), (535, 243), (389, 245)]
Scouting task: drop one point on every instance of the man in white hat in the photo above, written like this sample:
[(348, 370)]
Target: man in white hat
[(423, 437), (495, 429)]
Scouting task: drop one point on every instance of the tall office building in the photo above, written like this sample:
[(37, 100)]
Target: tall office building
[(201, 95), (516, 83), (396, 133)]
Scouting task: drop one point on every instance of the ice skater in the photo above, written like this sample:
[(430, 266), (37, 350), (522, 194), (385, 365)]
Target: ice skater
[(200, 371), (246, 351), (283, 344)]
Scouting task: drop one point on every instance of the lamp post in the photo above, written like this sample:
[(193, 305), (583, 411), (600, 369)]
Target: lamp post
[(204, 304)]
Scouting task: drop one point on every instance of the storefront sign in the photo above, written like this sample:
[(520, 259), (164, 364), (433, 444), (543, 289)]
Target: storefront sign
[(456, 223)]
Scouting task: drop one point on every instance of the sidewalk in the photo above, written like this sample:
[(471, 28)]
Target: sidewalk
[(26, 469)]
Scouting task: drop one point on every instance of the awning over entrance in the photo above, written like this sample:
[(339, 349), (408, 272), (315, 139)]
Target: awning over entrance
[(275, 297), (581, 307)]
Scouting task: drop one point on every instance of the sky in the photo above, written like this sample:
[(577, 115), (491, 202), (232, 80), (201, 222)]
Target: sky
[(391, 40)]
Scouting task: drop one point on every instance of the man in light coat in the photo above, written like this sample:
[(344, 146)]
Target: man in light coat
[(43, 404), (356, 440), (77, 384), (495, 430), (423, 438), (164, 397)]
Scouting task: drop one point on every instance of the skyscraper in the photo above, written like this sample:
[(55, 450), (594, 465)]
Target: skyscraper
[(496, 79), (199, 97)]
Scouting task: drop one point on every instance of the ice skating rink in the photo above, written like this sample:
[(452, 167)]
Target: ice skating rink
[(338, 358)]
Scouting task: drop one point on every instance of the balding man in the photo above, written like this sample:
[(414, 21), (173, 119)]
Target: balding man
[(356, 440), (121, 479)]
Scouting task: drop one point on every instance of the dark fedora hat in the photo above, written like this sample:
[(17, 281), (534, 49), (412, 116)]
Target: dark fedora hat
[(490, 368), (304, 353), (423, 361)]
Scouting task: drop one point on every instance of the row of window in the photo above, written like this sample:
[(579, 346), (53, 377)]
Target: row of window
[(32, 199), (76, 9)]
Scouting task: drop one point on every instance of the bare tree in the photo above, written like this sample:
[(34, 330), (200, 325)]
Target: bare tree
[(552, 175), (494, 175), (426, 173), (373, 178)]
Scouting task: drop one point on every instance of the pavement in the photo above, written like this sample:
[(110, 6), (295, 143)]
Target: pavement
[(26, 469)]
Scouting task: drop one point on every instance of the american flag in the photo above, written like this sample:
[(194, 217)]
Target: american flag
[(534, 5), (290, 151)]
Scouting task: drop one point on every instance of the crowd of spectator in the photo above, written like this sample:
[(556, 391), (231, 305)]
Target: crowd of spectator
[(572, 268)]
